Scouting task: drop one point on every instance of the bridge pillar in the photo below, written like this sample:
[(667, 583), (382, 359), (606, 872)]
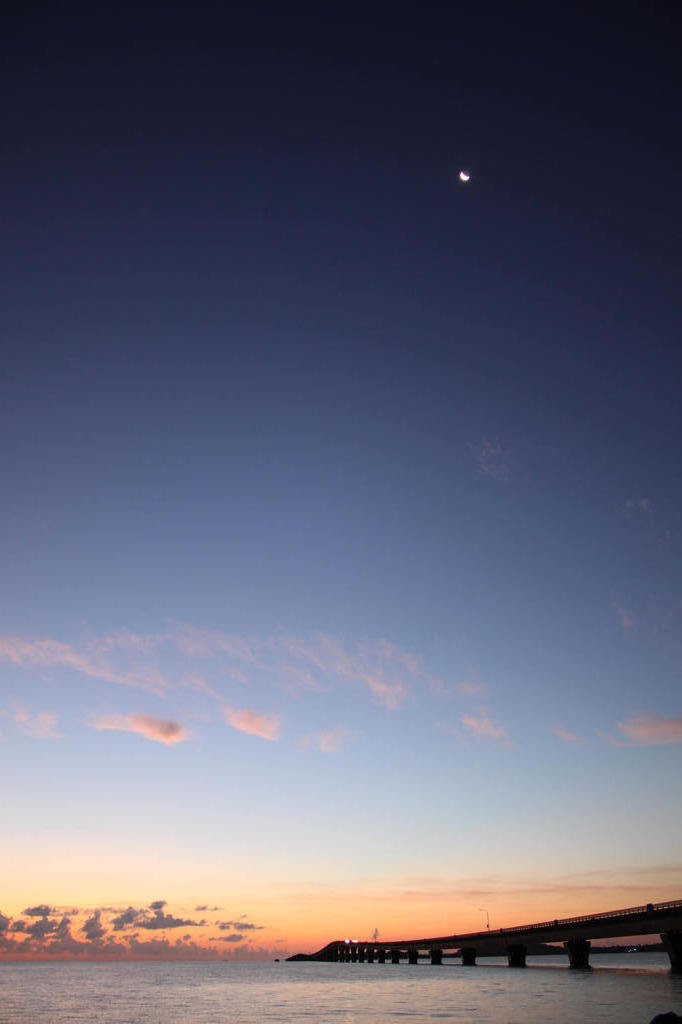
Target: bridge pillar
[(578, 952), (516, 955), (354, 952), (436, 956), (395, 956), (673, 947), (381, 955), (413, 956), (361, 954), (370, 954), (468, 956)]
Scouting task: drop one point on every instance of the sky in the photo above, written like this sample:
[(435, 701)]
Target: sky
[(340, 554)]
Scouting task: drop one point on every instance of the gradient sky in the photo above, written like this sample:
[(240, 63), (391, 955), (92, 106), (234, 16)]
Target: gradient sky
[(340, 549)]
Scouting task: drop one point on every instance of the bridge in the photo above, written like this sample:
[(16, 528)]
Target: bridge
[(575, 933)]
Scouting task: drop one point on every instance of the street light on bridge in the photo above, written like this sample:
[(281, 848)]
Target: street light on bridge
[(487, 917)]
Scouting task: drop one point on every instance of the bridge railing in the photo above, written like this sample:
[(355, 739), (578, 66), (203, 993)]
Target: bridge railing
[(586, 918)]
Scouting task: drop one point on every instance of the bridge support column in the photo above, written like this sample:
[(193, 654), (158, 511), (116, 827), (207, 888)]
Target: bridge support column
[(578, 952), (381, 956), (673, 947), (437, 957), (516, 955), (354, 952), (413, 956), (468, 956), (395, 956), (370, 954)]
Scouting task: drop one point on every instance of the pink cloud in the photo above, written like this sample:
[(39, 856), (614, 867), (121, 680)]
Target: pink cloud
[(48, 653), (648, 728), (627, 619), (564, 735), (379, 665), (162, 730), (246, 720), (202, 643), (470, 688), (297, 680), (329, 742), (42, 725), (483, 727), (125, 639)]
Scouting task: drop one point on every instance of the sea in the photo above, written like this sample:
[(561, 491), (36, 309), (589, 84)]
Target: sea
[(618, 989)]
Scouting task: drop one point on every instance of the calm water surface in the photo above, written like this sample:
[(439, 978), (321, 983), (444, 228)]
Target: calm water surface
[(623, 989)]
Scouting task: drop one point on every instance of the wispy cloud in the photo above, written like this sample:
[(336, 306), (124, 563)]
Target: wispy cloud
[(166, 662), (471, 688), (564, 735), (162, 730), (241, 925), (647, 728), (491, 458), (628, 619), (249, 721), (634, 505), (42, 725), (382, 667), (483, 727), (202, 643), (47, 653), (329, 742)]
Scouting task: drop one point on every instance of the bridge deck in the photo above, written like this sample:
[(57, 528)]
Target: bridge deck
[(653, 918)]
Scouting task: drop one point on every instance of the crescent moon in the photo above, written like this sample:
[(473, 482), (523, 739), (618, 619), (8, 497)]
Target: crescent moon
[(464, 175)]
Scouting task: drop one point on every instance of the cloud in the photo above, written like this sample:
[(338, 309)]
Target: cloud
[(42, 910), (317, 662), (382, 667), (126, 919), (297, 680), (202, 643), (48, 653), (43, 926), (249, 721), (48, 936), (565, 735), (633, 505), (329, 742), (484, 728), (93, 928), (161, 920), (470, 688), (162, 730), (491, 458), (42, 726), (243, 926), (141, 917), (646, 728), (627, 619)]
